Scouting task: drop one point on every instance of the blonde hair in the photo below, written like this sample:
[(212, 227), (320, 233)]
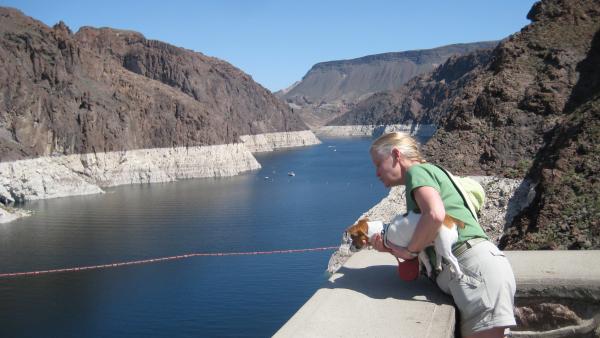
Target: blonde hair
[(407, 145)]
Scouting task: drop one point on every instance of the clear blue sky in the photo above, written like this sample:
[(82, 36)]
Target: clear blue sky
[(277, 41)]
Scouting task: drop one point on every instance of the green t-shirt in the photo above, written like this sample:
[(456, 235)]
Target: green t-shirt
[(429, 175)]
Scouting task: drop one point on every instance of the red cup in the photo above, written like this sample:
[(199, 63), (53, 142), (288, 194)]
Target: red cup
[(408, 270)]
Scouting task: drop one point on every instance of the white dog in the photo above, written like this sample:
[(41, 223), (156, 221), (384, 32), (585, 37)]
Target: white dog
[(400, 231)]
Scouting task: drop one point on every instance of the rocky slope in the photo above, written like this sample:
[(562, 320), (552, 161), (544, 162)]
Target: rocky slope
[(331, 88), (538, 113), (511, 106), (102, 90), (426, 98), (528, 109), (566, 211)]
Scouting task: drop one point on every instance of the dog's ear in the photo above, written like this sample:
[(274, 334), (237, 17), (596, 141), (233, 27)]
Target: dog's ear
[(363, 225), (358, 233)]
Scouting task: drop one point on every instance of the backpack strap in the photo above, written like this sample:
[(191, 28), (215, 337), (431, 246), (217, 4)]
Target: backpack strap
[(461, 191)]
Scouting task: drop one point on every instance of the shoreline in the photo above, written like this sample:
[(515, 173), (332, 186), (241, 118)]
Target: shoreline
[(84, 174), (422, 130)]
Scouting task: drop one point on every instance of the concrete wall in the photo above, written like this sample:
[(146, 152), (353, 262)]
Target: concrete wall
[(366, 298)]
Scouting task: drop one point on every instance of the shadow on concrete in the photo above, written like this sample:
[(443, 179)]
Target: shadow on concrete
[(382, 282)]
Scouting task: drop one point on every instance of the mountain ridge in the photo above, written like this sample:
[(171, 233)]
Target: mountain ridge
[(331, 88), (418, 56), (105, 89)]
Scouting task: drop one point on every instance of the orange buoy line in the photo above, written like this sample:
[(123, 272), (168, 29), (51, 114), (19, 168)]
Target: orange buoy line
[(160, 259)]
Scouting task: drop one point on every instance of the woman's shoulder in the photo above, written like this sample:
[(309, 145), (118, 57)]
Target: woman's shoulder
[(424, 168), (426, 172)]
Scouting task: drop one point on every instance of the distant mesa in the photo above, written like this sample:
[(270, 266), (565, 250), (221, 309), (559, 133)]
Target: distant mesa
[(334, 87)]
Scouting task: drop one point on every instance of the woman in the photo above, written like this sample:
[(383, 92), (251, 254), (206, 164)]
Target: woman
[(485, 293)]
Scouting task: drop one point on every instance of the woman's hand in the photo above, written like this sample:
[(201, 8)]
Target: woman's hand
[(401, 252), (398, 251), (377, 244)]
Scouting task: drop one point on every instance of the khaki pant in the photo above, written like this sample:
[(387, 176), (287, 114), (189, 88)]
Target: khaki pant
[(485, 293)]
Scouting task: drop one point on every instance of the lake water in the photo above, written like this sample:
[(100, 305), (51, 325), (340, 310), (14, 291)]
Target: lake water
[(234, 296)]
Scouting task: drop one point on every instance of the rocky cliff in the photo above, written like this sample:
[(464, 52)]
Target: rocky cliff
[(103, 90), (425, 99), (528, 109), (331, 88), (566, 209), (536, 112)]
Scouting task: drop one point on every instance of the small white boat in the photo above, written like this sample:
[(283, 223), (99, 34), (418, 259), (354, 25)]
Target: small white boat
[(291, 173)]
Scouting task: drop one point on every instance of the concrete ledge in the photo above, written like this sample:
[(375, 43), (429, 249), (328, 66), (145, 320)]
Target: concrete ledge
[(565, 274), (366, 298)]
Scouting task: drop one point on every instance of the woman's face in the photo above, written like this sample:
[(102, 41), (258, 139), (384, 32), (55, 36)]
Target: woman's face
[(388, 168)]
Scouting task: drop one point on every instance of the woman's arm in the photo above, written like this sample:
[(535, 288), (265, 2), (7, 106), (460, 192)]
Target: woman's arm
[(398, 251), (432, 215)]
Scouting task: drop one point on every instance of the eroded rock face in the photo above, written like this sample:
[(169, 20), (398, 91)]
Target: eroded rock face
[(102, 90), (424, 99), (522, 93), (566, 211)]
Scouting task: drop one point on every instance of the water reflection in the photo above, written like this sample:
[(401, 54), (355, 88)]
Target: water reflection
[(221, 296)]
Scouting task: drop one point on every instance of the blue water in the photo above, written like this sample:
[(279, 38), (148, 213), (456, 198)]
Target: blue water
[(239, 296)]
